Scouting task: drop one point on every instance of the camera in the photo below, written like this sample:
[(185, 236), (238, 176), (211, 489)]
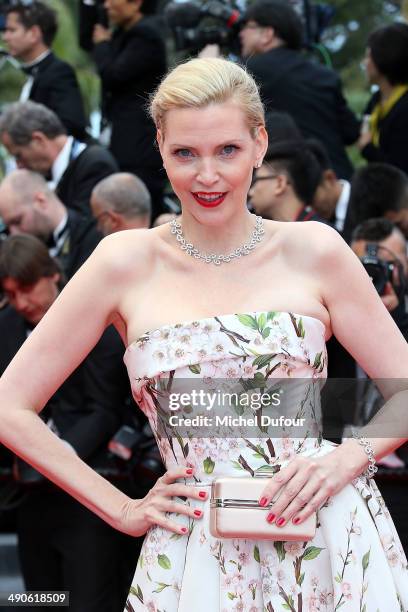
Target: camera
[(315, 17), (382, 272), (195, 24), (135, 449)]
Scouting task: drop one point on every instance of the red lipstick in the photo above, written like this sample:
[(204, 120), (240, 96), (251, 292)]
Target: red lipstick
[(209, 200)]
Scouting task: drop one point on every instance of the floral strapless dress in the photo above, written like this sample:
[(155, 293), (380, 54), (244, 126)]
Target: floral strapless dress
[(355, 563)]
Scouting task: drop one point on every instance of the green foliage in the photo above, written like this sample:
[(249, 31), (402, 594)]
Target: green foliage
[(67, 48), (346, 38)]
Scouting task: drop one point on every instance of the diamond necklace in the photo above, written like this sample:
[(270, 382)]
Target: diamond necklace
[(245, 249)]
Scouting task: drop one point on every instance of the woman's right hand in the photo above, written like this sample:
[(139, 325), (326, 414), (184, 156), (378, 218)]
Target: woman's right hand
[(139, 515)]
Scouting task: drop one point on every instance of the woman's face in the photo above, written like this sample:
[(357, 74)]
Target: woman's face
[(209, 155), (370, 68)]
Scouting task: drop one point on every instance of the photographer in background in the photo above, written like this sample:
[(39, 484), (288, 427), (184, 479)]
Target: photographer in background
[(382, 248), (62, 545), (271, 39), (387, 265), (130, 61), (29, 33)]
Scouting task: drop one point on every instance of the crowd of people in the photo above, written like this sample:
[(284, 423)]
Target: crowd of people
[(69, 191)]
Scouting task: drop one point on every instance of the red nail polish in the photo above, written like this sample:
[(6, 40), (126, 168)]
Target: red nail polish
[(280, 521), (184, 529), (197, 512), (189, 471), (202, 494), (271, 517), (263, 501), (296, 520)]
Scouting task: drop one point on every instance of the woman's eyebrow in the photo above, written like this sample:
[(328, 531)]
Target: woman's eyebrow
[(221, 144)]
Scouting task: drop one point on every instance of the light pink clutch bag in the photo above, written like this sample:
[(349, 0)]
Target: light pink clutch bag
[(235, 513)]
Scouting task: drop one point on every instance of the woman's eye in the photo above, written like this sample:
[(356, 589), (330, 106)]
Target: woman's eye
[(183, 153), (229, 150)]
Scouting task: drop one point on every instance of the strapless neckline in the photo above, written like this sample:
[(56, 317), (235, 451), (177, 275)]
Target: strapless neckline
[(203, 320)]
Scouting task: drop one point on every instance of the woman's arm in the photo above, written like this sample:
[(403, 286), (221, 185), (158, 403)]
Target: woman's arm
[(58, 344), (62, 339), (364, 327)]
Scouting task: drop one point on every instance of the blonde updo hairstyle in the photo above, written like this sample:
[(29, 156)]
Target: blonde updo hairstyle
[(204, 81)]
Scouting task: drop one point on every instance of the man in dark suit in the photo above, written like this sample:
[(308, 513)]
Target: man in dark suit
[(35, 136), (285, 184), (271, 41), (28, 206), (62, 545), (29, 33), (130, 62)]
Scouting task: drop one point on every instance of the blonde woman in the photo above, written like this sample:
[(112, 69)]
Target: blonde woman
[(184, 282)]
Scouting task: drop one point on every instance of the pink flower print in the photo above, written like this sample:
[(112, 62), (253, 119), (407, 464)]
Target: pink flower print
[(185, 338), (266, 588), (243, 558), (314, 581), (142, 342), (346, 590), (227, 581), (148, 560), (237, 579), (393, 557), (313, 604), (232, 372), (151, 606), (326, 597), (294, 590), (269, 562), (293, 548), (285, 341), (239, 606), (253, 584), (158, 355), (280, 575), (199, 449), (202, 353), (248, 371), (179, 352)]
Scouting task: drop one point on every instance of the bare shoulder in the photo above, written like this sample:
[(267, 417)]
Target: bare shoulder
[(129, 252), (311, 243)]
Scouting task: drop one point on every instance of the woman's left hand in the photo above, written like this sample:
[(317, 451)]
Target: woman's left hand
[(305, 484)]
